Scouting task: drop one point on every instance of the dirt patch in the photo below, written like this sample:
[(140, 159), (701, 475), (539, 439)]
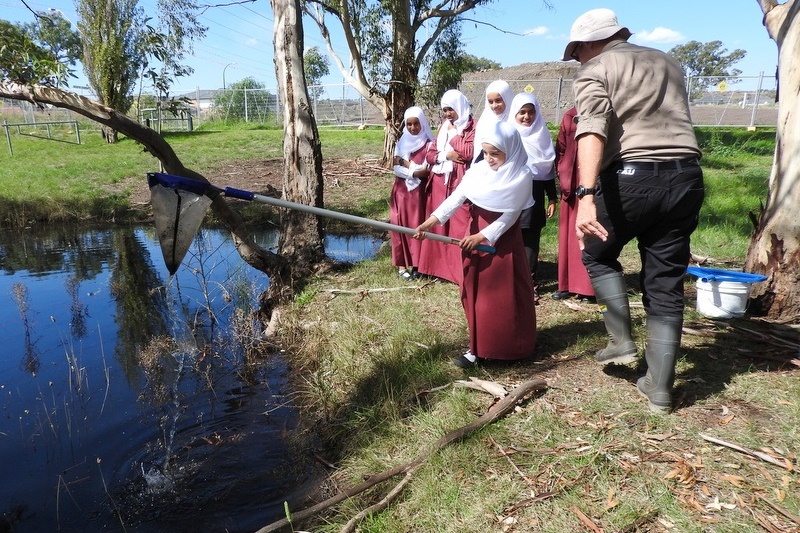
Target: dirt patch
[(346, 181)]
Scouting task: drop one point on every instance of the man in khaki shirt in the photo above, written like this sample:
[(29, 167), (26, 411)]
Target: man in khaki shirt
[(639, 177)]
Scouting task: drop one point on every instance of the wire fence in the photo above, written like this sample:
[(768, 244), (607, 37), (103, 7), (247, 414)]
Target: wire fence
[(742, 101)]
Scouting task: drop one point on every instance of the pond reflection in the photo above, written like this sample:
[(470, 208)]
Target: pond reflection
[(135, 401)]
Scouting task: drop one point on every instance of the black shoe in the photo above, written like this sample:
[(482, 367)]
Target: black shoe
[(562, 295), (582, 298), (462, 362)]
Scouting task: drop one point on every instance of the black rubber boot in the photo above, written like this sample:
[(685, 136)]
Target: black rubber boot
[(663, 343), (612, 296)]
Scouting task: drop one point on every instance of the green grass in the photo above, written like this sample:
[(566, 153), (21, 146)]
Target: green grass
[(50, 181), (385, 389), (373, 371)]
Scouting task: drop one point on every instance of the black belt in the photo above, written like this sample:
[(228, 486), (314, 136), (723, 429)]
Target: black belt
[(654, 166)]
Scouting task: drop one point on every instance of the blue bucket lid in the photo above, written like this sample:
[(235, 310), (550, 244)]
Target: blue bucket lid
[(714, 274)]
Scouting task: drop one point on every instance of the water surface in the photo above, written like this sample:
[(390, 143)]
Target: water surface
[(135, 401)]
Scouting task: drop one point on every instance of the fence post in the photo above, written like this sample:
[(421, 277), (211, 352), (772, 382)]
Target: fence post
[(8, 136), (558, 99), (246, 119), (77, 132), (755, 101)]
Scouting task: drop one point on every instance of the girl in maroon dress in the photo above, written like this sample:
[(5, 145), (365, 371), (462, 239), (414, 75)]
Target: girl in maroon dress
[(525, 114), (449, 157), (572, 276), (407, 202), (496, 289)]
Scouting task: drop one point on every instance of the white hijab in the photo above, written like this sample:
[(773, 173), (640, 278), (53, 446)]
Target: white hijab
[(536, 138), (407, 144), (455, 100), (509, 187), (488, 117)]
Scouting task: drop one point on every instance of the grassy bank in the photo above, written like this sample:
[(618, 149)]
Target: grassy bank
[(374, 369), (52, 181), (372, 365)]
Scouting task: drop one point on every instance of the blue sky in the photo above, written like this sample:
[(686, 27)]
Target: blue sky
[(239, 39)]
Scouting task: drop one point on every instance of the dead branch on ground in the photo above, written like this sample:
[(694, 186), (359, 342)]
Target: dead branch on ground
[(495, 412), (786, 463)]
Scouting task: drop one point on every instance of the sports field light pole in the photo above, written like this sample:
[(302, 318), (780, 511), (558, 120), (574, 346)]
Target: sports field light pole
[(223, 74)]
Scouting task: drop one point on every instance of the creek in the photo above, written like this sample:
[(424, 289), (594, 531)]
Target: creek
[(135, 401)]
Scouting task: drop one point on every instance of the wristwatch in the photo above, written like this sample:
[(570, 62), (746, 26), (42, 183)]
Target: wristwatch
[(582, 191)]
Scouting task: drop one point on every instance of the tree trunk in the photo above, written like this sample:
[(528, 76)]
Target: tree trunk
[(402, 86), (775, 245), (301, 233), (109, 134)]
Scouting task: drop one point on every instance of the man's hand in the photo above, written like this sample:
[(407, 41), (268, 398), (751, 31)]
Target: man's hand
[(586, 222)]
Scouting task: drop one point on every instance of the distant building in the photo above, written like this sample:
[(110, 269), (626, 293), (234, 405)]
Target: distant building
[(201, 100)]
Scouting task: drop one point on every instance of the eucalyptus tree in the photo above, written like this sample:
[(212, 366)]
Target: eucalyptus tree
[(315, 66), (301, 236), (706, 63), (388, 42), (22, 59), (55, 33), (775, 245), (121, 45)]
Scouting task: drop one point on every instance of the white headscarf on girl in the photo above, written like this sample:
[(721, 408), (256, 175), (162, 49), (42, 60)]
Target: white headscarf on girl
[(488, 117), (408, 143), (455, 100), (509, 187), (536, 139)]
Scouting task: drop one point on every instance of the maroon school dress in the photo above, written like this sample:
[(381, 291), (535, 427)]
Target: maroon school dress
[(572, 275), (407, 208), (437, 258), (497, 294)]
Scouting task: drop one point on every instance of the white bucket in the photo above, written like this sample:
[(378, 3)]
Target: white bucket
[(722, 299)]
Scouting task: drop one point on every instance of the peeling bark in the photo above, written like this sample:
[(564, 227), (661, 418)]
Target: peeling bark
[(301, 233), (775, 246)]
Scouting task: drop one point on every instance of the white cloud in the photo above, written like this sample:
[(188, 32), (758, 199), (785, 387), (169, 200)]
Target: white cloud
[(251, 42), (658, 35), (538, 30)]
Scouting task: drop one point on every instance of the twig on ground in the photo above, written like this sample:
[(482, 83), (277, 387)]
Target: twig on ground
[(755, 453), (586, 520), (363, 292), (781, 510), (513, 465), (763, 522)]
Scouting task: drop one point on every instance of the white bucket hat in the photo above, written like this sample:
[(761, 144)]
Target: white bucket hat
[(594, 25)]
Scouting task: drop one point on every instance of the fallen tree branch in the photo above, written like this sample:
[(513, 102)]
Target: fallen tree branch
[(495, 412), (352, 524), (779, 509), (525, 478), (786, 464), (364, 292)]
